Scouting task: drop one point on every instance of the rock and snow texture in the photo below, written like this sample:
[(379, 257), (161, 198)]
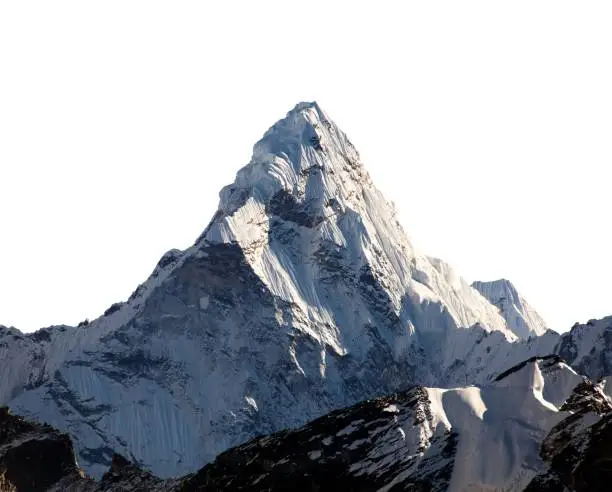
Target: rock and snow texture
[(391, 443), (577, 451), (303, 295), (522, 319), (588, 348), (539, 425)]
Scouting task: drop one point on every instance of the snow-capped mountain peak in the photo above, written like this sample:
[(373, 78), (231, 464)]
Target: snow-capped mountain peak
[(522, 319), (306, 182), (303, 171)]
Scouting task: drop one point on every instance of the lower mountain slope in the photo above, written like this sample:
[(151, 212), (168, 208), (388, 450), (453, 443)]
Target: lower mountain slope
[(538, 426), (426, 439)]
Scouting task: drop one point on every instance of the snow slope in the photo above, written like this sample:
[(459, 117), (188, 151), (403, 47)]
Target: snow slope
[(302, 295), (501, 426)]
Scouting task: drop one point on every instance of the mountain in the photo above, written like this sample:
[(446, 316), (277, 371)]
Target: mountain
[(303, 295), (588, 347), (539, 426), (522, 319)]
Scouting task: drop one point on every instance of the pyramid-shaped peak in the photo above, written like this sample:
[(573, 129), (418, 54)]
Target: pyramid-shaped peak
[(305, 194), (305, 116), (302, 296), (308, 108), (305, 126), (308, 112), (304, 169), (306, 105)]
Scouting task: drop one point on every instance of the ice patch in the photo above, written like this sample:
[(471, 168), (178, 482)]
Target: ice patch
[(251, 401), (350, 428), (315, 455), (204, 301), (391, 409)]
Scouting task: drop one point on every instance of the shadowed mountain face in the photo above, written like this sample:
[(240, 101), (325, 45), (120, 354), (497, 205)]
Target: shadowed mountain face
[(303, 295)]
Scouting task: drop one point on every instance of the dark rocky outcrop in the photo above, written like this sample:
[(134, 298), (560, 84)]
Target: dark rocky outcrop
[(578, 450), (360, 448), (546, 359), (33, 457)]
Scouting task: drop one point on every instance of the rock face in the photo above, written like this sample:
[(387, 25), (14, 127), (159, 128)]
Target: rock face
[(522, 319), (578, 450), (33, 457), (303, 295)]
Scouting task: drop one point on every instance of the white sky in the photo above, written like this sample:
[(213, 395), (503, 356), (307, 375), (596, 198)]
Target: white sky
[(488, 123)]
